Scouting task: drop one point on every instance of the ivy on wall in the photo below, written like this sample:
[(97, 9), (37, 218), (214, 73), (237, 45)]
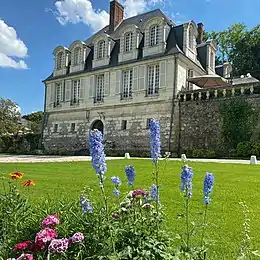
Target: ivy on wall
[(239, 121)]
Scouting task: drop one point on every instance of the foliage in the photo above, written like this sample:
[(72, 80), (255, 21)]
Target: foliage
[(239, 121), (243, 149), (240, 46), (35, 120), (9, 116)]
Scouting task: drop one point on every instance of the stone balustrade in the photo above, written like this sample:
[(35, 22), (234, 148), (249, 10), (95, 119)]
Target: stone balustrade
[(219, 92)]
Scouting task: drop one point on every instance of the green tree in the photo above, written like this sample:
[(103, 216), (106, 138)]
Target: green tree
[(35, 119), (9, 116), (239, 46)]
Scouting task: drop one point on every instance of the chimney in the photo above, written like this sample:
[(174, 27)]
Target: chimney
[(200, 33), (116, 14)]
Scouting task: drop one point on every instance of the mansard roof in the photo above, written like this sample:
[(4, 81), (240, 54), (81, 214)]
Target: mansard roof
[(174, 43)]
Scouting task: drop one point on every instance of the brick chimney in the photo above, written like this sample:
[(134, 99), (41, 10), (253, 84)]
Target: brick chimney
[(116, 14), (200, 33)]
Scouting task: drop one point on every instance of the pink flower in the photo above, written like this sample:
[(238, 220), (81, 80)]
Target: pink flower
[(45, 236), (77, 238), (51, 221), (25, 257), (59, 245), (138, 193), (23, 246)]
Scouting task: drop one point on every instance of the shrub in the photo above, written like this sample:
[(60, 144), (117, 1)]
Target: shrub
[(255, 150), (198, 153), (243, 149), (211, 154)]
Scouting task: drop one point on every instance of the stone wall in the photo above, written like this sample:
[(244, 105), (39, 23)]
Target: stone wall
[(200, 119), (117, 140)]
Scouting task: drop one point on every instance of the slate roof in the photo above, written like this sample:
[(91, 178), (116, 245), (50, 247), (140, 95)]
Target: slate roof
[(174, 42)]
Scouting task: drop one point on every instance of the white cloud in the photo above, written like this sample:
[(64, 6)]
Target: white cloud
[(11, 46), (75, 11)]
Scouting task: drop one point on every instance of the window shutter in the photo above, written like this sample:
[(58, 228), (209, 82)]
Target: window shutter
[(162, 74), (118, 81), (52, 94), (170, 74), (106, 84), (147, 38), (135, 78), (67, 90), (142, 77), (92, 87), (82, 88)]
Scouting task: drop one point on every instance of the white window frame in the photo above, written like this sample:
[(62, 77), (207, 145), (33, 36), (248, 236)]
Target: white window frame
[(154, 35), (75, 91), (58, 91), (190, 74), (100, 88), (128, 41), (76, 58), (101, 45), (153, 79), (127, 83), (191, 38), (59, 60)]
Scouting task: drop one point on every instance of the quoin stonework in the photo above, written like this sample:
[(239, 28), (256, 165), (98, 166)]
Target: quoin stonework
[(127, 73)]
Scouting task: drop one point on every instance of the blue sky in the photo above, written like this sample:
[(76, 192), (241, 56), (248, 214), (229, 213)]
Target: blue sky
[(30, 30)]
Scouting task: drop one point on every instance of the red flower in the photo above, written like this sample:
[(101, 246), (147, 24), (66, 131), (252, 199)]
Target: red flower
[(138, 193), (28, 183), (16, 175), (23, 246)]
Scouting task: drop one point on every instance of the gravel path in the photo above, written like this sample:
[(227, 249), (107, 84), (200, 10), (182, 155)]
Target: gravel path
[(49, 158)]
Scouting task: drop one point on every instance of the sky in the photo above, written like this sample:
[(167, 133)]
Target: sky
[(31, 29)]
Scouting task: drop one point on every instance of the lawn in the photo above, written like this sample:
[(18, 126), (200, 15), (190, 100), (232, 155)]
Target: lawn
[(233, 183)]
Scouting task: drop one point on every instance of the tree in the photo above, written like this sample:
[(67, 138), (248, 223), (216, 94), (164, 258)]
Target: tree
[(9, 116), (35, 120), (239, 46)]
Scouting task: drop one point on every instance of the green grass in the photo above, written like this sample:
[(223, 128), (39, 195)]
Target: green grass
[(233, 183)]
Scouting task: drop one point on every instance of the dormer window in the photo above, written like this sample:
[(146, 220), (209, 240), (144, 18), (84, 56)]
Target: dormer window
[(191, 38), (101, 49), (128, 41), (77, 56), (154, 35), (59, 60)]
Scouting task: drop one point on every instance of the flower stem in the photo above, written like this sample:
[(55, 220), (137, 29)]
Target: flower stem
[(157, 195), (204, 224), (187, 220), (103, 193)]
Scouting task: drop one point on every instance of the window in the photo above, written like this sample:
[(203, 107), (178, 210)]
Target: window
[(154, 35), (128, 41), (124, 125), (191, 38), (72, 127), (127, 83), (58, 93), (211, 59), (153, 79), (190, 75), (148, 123), (59, 60), (77, 56), (101, 49), (55, 129), (99, 88), (75, 91)]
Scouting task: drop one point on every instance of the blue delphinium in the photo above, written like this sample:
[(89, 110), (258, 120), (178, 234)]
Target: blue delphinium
[(116, 180), (155, 142), (130, 174), (85, 205), (96, 148), (208, 186), (116, 192), (186, 181), (154, 193)]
